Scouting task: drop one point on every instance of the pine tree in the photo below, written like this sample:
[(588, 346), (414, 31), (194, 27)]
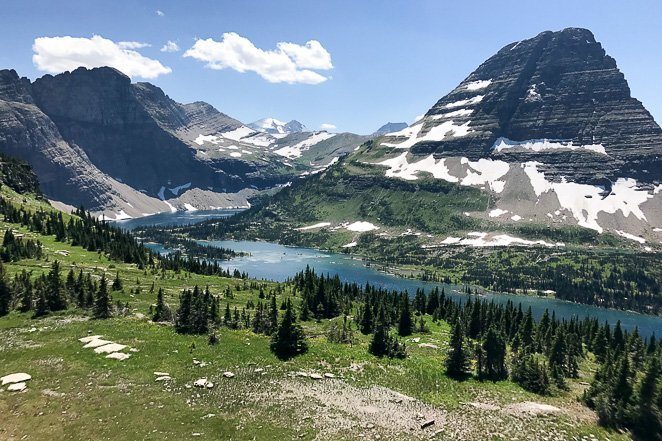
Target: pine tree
[(161, 312), (557, 360), (54, 289), (493, 356), (103, 303), (5, 292), (648, 415), (117, 283), (289, 340), (366, 325), (457, 360), (41, 308), (405, 325)]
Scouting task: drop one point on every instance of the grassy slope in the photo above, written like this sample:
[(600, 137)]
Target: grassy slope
[(108, 399)]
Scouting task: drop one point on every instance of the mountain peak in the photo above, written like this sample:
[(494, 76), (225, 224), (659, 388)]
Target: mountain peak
[(390, 127), (277, 127)]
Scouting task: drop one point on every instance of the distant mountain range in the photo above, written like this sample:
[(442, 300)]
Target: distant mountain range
[(127, 150), (276, 127), (544, 133)]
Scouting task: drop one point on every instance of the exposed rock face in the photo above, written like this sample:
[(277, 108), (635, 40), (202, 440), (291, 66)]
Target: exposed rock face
[(94, 138), (121, 128), (557, 85), (548, 126)]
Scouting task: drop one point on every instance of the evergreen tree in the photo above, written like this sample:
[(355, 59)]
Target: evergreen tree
[(492, 359), (54, 289), (289, 340), (103, 303), (557, 360), (457, 360), (41, 307), (366, 325), (648, 415), (5, 293), (117, 283), (161, 312), (405, 325)]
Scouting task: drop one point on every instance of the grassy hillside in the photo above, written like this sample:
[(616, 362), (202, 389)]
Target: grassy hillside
[(77, 394)]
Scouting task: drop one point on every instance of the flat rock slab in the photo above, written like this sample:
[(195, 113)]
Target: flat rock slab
[(20, 377), (109, 348), (118, 355), (161, 374), (89, 338), (316, 376), (96, 343), (163, 378), (17, 387), (228, 374), (428, 345)]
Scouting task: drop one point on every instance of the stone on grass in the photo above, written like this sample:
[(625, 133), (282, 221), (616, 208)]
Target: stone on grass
[(20, 377), (107, 349), (209, 385), (426, 424), (200, 382), (316, 376), (96, 343), (118, 356), (228, 374), (17, 387), (329, 375), (161, 374), (163, 378), (89, 338), (428, 345)]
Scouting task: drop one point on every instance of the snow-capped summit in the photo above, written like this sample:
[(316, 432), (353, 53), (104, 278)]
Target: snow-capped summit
[(277, 127)]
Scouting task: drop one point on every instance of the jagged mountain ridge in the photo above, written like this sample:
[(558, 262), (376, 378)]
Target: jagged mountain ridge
[(120, 148)]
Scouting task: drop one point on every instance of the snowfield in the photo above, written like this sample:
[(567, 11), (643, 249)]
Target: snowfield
[(296, 150), (312, 227), (439, 132), (361, 227), (539, 145), (585, 201), (480, 239), (478, 85)]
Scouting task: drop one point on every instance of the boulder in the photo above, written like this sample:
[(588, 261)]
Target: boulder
[(20, 377)]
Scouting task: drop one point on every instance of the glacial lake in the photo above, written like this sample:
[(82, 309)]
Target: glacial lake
[(276, 262)]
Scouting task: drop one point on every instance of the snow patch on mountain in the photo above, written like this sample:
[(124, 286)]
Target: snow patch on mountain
[(440, 132), (478, 85), (296, 150), (585, 201), (467, 102), (539, 145), (480, 239)]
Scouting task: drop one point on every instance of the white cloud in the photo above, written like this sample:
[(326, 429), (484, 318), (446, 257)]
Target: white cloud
[(160, 13), (289, 63), (132, 44), (59, 54), (170, 46), (327, 126)]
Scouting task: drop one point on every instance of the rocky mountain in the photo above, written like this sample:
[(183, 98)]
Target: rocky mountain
[(390, 127), (546, 130), (126, 149), (276, 127)]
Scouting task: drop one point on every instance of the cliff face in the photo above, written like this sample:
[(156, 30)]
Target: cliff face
[(557, 86), (123, 129)]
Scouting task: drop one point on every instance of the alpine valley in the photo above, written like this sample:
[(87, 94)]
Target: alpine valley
[(168, 272)]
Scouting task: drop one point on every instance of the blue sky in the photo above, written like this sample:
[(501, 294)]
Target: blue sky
[(392, 60)]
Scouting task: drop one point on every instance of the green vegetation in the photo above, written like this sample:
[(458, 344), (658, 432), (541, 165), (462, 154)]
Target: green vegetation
[(256, 392)]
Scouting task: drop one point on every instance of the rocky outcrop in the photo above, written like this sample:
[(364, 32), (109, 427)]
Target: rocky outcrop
[(390, 127), (560, 86)]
